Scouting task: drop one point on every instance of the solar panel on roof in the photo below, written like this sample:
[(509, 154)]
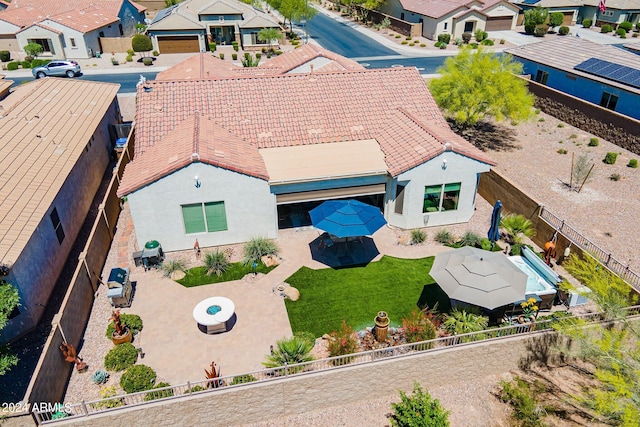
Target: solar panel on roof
[(530, 1), (611, 71)]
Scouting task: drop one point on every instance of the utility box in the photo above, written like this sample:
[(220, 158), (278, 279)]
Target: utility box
[(119, 292)]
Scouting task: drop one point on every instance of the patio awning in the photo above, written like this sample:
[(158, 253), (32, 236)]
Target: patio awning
[(332, 193), (319, 162)]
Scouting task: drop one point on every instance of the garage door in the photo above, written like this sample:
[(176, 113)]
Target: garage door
[(499, 23), (174, 44), (568, 18)]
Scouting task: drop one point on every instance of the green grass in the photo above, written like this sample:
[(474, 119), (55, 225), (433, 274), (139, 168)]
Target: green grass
[(394, 285), (237, 270)]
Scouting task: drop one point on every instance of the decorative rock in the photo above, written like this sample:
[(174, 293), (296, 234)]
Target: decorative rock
[(326, 337), (292, 293), (177, 275), (269, 260)]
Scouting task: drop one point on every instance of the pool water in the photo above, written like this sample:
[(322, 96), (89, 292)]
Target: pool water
[(533, 279)]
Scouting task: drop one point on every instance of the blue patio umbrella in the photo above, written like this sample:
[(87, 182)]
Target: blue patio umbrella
[(347, 218), (494, 230)]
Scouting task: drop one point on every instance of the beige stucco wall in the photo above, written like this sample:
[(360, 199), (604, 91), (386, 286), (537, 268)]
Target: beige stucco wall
[(308, 392)]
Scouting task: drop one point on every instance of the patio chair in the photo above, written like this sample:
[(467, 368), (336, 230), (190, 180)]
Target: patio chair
[(325, 242)]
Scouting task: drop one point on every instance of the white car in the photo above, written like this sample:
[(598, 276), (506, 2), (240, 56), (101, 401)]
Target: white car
[(57, 68)]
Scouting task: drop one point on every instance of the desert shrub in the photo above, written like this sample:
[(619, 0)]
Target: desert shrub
[(502, 41), (141, 43), (258, 247), (212, 47), (234, 56), (26, 64), (307, 336), (458, 42), (462, 322), (342, 342), (408, 38), (541, 119), (147, 61), (469, 238), (418, 409), (473, 45), (439, 44), (573, 136), (586, 23), (560, 125), (130, 52), (12, 66), (555, 19), (423, 45), (521, 396), (480, 35), (517, 226), (107, 393), (155, 53), (466, 37), (171, 266), (159, 394), (398, 36), (129, 58), (132, 321), (606, 28), (100, 377), (258, 56), (593, 142), (562, 151), (610, 158), (487, 42), (138, 378), (622, 33), (121, 357), (444, 38), (288, 352), (5, 56), (563, 31), (222, 56), (194, 389), (216, 262), (278, 52), (39, 62), (516, 249), (541, 30), (444, 237), (235, 45), (486, 244), (626, 25), (633, 163), (418, 236), (243, 379), (614, 177), (418, 327)]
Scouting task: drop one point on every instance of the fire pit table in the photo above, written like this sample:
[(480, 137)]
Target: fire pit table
[(214, 313)]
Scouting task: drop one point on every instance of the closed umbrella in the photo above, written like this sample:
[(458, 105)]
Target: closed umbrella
[(475, 276), (494, 231), (347, 218)]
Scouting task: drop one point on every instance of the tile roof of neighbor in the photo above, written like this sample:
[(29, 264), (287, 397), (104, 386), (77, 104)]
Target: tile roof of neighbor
[(80, 15), (439, 8), (207, 66), (40, 143), (616, 4), (392, 106), (564, 53)]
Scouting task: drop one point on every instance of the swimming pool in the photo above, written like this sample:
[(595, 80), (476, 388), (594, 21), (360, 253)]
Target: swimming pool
[(536, 284)]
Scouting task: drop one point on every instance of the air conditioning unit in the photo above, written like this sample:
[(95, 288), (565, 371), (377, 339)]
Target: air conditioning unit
[(576, 299)]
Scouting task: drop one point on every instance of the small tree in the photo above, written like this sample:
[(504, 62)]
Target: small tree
[(516, 227), (141, 43), (289, 351), (555, 19), (418, 409), (581, 170), (9, 299), (533, 18), (33, 49), (269, 35)]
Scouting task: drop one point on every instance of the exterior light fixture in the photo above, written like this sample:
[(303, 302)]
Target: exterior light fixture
[(444, 164), (197, 180)]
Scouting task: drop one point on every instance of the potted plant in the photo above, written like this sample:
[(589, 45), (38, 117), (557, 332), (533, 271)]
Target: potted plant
[(114, 61), (529, 311), (121, 333)]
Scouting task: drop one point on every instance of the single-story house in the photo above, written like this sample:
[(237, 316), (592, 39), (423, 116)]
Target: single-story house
[(254, 154), (454, 16), (55, 146), (616, 12), (570, 9), (191, 25), (600, 74), (67, 29)]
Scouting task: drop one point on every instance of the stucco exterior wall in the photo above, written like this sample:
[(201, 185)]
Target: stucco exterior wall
[(249, 205), (584, 88), (458, 169), (36, 32), (36, 271)]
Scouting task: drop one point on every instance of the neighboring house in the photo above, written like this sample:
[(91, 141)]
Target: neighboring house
[(67, 29), (55, 146), (191, 25), (306, 58), (617, 11), (569, 8), (223, 160), (600, 74), (454, 16)]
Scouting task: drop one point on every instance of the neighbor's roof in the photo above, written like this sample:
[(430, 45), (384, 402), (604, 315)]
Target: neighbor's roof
[(80, 15), (558, 3), (207, 66), (40, 142), (392, 106), (439, 8), (564, 53), (616, 4)]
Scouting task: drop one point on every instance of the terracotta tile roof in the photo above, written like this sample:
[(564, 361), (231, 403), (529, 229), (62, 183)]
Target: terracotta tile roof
[(53, 30), (40, 142), (199, 66), (433, 8), (392, 106), (307, 53), (80, 15)]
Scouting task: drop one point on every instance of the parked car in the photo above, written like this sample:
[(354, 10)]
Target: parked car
[(57, 68)]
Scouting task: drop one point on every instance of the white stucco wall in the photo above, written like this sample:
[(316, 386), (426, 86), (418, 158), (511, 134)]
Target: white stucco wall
[(502, 9), (36, 32), (157, 214), (459, 169)]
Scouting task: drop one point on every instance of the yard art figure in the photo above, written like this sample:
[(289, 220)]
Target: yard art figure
[(212, 375), (196, 247), (550, 249), (70, 355), (115, 316)]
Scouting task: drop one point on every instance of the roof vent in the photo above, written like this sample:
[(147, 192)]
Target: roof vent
[(447, 146), (195, 157)]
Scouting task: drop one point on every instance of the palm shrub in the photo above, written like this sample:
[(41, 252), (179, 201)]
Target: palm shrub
[(132, 321), (171, 266), (138, 378), (258, 247), (289, 351), (216, 262), (121, 357), (418, 409), (418, 327), (462, 322), (516, 227), (342, 342)]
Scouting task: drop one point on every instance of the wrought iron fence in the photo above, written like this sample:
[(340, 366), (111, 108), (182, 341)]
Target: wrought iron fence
[(600, 254), (211, 385)]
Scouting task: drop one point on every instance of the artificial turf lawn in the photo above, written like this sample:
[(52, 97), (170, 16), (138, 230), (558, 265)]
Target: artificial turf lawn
[(237, 270), (356, 294)]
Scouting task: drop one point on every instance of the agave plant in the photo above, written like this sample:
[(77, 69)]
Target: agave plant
[(462, 322), (216, 262), (171, 266), (516, 227), (258, 247), (289, 351)]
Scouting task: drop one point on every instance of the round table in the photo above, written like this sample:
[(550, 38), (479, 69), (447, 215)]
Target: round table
[(214, 313)]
